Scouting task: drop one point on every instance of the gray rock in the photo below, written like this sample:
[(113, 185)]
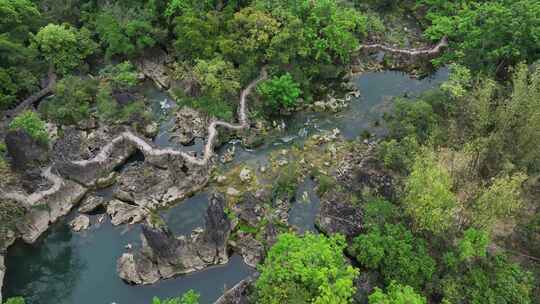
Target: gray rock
[(338, 215), (2, 273), (90, 204), (123, 213), (188, 125), (163, 255), (26, 153), (54, 206), (80, 223), (239, 293)]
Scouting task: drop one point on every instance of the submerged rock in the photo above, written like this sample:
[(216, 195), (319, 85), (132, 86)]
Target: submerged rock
[(163, 255), (80, 223)]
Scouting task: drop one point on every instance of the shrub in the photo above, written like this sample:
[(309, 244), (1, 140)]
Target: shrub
[(72, 99), (280, 92), (120, 76), (308, 269), (30, 122), (397, 254), (287, 181), (396, 294), (17, 300), (190, 297)]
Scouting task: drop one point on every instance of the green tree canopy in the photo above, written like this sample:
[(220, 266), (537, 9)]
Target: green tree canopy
[(280, 92), (396, 294), (397, 254), (429, 199), (64, 46), (308, 269), (30, 122)]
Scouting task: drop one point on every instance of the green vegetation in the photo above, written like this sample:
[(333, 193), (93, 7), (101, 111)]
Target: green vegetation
[(478, 39), (30, 122), (397, 254), (190, 297), (429, 200), (280, 92), (304, 269), (396, 294), (63, 46), (463, 159), (18, 300)]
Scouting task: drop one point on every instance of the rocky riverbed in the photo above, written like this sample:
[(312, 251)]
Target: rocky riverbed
[(247, 205)]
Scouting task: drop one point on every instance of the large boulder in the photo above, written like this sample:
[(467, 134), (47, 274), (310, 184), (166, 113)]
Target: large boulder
[(163, 255), (160, 181), (26, 152), (52, 207), (338, 215)]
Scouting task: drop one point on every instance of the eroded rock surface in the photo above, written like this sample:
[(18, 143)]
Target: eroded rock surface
[(188, 125), (163, 255), (80, 223)]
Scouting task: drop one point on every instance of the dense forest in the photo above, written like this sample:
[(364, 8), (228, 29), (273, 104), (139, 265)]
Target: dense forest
[(441, 207)]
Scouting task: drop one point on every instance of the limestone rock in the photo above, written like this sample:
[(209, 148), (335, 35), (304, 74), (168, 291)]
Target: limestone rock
[(163, 255), (245, 175), (80, 223), (90, 204), (123, 213), (26, 153), (188, 125)]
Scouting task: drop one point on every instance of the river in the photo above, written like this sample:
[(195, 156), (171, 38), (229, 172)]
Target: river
[(65, 267)]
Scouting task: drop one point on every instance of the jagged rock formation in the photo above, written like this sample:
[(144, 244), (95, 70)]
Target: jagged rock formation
[(239, 293), (163, 255)]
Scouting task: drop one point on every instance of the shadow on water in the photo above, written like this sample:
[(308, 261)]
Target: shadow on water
[(66, 267)]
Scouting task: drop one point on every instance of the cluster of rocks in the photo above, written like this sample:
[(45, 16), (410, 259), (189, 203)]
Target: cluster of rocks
[(163, 255), (189, 124)]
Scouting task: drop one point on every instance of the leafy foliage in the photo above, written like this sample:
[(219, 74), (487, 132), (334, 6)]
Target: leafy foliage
[(64, 46), (17, 300), (477, 38), (73, 97), (280, 92), (397, 254), (396, 294), (30, 122), (429, 199), (120, 76), (190, 297), (308, 269), (491, 280)]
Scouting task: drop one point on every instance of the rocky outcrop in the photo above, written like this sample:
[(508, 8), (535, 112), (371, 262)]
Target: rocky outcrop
[(80, 223), (338, 215), (124, 213), (90, 204), (27, 154), (49, 209), (239, 293), (188, 125), (2, 274), (153, 66), (163, 255), (160, 181)]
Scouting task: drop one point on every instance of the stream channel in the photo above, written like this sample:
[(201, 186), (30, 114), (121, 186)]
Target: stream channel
[(66, 267)]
